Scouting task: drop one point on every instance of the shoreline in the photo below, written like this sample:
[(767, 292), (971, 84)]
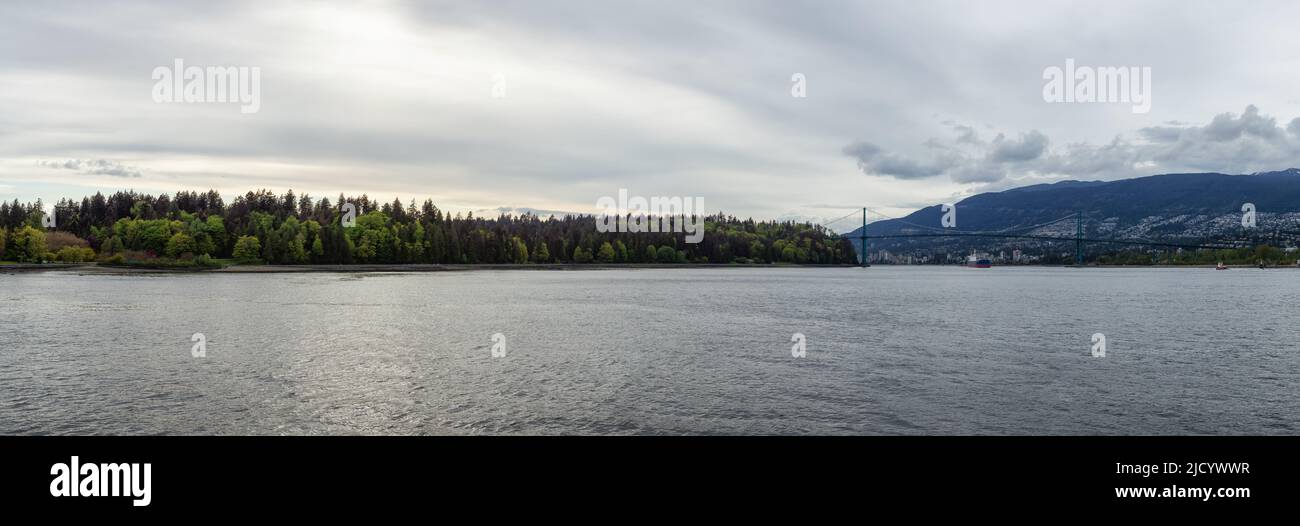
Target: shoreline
[(441, 267), (410, 267)]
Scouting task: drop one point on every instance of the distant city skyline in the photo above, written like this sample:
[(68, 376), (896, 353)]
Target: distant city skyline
[(765, 109)]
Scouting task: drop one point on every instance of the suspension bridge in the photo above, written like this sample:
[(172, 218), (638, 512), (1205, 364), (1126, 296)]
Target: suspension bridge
[(1018, 232)]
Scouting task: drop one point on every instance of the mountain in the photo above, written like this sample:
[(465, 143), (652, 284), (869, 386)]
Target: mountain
[(1170, 207)]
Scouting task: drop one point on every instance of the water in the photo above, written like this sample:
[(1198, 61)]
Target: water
[(890, 350)]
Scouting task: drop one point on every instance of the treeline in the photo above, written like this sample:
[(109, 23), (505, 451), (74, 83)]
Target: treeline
[(194, 227), (1259, 254)]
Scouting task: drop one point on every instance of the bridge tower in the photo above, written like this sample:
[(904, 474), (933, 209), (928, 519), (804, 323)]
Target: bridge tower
[(862, 238), (1078, 238)]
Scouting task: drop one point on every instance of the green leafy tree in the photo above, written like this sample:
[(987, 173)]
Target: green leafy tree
[(216, 229), (312, 234), (110, 246), (368, 246), (209, 236), (756, 251), (153, 235), (71, 254), (247, 248), (297, 252), (180, 244), (27, 245), (293, 229), (789, 255)]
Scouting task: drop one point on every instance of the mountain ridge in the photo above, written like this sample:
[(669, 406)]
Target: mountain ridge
[(1174, 206)]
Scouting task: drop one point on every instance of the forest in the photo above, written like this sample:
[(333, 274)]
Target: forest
[(200, 229)]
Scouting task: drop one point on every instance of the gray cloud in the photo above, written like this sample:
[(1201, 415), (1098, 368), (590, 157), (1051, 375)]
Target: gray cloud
[(518, 211), (872, 160), (93, 166), (1030, 146), (683, 98), (1116, 159), (1161, 133), (1228, 127), (967, 135), (1229, 143)]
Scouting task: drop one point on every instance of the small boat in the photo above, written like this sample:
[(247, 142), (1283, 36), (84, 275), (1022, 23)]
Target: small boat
[(973, 261), (1220, 266)]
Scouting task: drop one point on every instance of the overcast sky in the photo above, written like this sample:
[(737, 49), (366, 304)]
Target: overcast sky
[(907, 104)]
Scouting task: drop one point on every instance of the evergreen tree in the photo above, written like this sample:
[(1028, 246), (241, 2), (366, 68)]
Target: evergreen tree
[(581, 255), (620, 252), (666, 254), (521, 251), (541, 254), (606, 253)]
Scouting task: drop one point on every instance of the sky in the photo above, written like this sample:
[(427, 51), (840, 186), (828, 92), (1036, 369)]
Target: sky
[(764, 109)]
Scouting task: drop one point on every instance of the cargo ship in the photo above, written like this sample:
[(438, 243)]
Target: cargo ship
[(973, 261)]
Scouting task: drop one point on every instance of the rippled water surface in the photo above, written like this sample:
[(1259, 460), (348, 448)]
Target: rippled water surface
[(890, 350)]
